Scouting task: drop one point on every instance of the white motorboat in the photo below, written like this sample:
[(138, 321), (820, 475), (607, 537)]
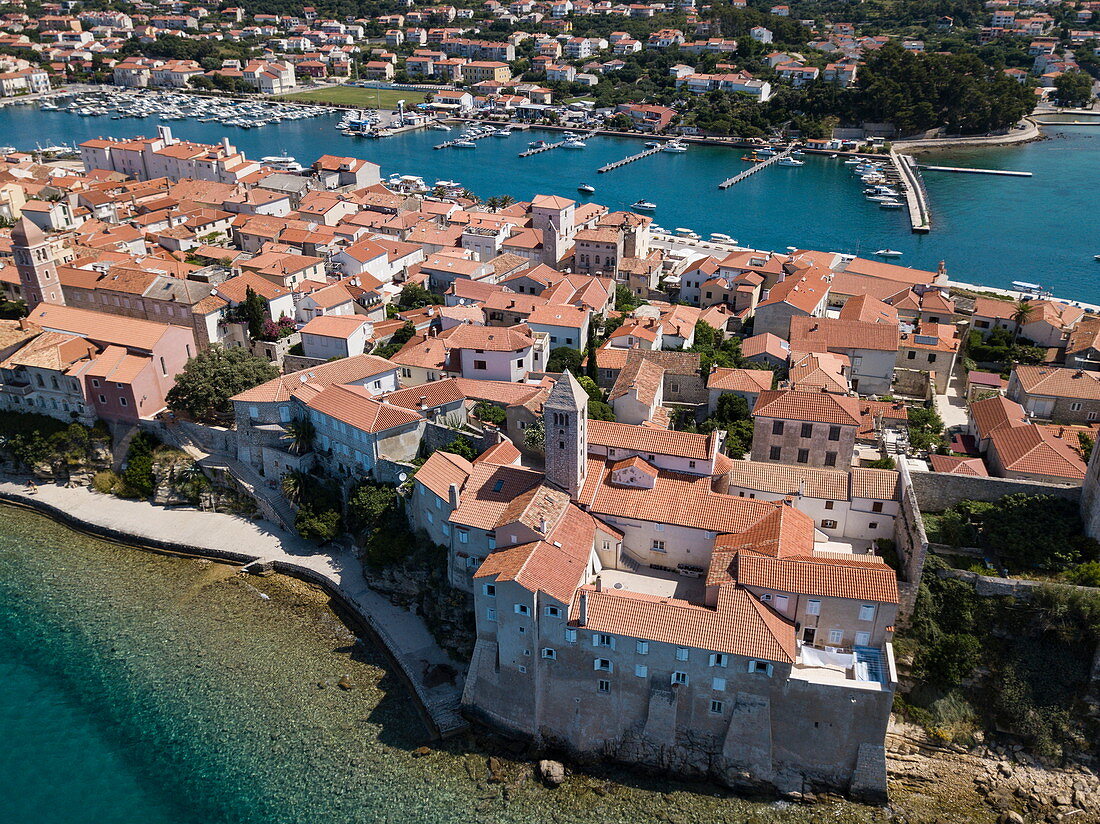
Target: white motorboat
[(888, 253)]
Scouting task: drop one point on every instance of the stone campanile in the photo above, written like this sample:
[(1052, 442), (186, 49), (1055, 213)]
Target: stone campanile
[(38, 280), (565, 419)]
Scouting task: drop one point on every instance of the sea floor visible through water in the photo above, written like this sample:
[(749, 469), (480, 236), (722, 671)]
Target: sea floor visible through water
[(140, 687)]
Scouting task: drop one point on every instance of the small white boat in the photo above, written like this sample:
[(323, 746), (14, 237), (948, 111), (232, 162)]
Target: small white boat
[(586, 188), (643, 206), (789, 161), (888, 253)]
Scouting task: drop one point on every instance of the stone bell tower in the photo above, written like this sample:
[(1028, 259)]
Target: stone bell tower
[(565, 420), (34, 261)]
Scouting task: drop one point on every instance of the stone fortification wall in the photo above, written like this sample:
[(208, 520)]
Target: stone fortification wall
[(936, 491)]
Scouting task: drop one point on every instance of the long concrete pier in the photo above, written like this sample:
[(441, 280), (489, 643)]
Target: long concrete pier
[(920, 218), (967, 170), (725, 184), (612, 166)]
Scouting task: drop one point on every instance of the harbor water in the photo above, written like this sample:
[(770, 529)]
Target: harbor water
[(989, 230)]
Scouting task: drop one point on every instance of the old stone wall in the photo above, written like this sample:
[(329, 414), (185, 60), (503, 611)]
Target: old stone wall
[(911, 542), (937, 491)]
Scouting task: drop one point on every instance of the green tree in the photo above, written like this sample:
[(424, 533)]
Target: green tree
[(563, 359), (462, 447), (415, 296), (138, 474), (253, 310), (1073, 89), (300, 432), (212, 377), (1021, 315), (369, 504)]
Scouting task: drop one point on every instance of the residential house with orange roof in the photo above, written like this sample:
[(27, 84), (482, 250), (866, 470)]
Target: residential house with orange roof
[(931, 348), (335, 336), (811, 428), (129, 366), (871, 348), (1058, 394), (746, 383), (1048, 323), (263, 412)]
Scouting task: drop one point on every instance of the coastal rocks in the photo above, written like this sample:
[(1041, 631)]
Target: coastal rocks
[(552, 772)]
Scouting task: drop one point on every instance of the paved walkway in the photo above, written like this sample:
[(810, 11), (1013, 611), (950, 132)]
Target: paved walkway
[(403, 633)]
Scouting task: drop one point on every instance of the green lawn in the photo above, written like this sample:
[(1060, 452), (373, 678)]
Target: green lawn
[(357, 96)]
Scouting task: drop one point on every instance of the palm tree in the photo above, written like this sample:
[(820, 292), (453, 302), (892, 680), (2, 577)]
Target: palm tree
[(293, 484), (300, 432), (1021, 315)]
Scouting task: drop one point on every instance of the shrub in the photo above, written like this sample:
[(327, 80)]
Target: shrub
[(319, 527), (490, 413), (1085, 575), (105, 482)]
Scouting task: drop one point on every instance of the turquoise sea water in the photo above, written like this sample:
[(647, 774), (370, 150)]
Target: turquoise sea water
[(989, 230), (140, 688)]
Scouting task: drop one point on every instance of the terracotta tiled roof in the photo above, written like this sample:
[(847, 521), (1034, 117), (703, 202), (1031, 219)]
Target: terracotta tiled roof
[(878, 484), (740, 380), (810, 334), (992, 414), (958, 465), (489, 338), (642, 439), (335, 326), (1033, 450), (789, 479), (346, 370), (818, 576), (869, 310), (816, 407), (354, 406), (443, 469), (1059, 383), (491, 492), (739, 625), (683, 500)]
